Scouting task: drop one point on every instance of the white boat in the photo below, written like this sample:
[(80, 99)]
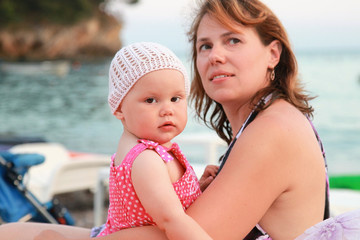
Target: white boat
[(58, 68)]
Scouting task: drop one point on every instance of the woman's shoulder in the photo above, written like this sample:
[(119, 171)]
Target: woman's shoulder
[(282, 116), (281, 130), (287, 134), (274, 134)]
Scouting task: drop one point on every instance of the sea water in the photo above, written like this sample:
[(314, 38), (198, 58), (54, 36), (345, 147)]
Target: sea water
[(72, 109)]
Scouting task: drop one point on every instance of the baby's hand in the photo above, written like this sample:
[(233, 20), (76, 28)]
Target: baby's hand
[(208, 176), (50, 234)]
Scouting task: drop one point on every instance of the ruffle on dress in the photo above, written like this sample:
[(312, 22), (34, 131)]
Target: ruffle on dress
[(345, 226)]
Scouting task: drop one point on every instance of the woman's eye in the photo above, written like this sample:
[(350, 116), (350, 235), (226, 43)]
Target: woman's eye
[(175, 99), (150, 100), (204, 47), (234, 41)]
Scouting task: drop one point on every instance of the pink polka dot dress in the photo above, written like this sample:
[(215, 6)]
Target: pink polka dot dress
[(125, 209)]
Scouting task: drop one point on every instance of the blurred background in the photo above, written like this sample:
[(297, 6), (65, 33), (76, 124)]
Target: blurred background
[(54, 59)]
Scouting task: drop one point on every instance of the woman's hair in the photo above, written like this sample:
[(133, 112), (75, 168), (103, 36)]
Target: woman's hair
[(286, 85)]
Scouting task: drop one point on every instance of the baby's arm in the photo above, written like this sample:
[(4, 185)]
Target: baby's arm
[(208, 176), (154, 188)]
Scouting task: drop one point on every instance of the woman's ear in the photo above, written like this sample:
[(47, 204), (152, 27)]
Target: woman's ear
[(275, 51)]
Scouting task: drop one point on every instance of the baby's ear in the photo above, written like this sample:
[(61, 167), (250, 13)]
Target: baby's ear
[(119, 114)]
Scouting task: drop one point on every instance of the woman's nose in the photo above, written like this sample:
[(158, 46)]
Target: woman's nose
[(216, 55)]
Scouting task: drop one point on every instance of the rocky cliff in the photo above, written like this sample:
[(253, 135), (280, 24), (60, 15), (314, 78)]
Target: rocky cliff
[(97, 36)]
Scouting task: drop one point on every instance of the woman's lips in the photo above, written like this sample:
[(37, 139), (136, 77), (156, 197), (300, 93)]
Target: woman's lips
[(220, 75)]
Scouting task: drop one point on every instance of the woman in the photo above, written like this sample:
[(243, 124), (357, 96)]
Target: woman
[(246, 76), (272, 182)]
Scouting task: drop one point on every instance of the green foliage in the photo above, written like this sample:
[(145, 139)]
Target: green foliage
[(18, 12)]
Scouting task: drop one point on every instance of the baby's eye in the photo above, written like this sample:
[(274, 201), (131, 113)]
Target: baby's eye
[(175, 99), (150, 100)]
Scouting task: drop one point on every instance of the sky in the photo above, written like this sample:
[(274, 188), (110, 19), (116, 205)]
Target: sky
[(311, 24)]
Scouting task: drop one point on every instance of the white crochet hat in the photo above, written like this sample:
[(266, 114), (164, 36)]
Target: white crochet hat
[(134, 61)]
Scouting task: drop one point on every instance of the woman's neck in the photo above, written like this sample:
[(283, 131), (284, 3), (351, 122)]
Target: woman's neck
[(237, 115)]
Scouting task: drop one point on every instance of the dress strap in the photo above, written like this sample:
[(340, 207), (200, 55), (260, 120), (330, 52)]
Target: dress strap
[(327, 190), (249, 119), (159, 149)]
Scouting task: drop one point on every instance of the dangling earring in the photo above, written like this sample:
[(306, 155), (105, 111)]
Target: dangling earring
[(272, 75)]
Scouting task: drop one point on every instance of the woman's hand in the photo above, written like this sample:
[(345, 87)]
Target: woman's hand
[(50, 234), (208, 176)]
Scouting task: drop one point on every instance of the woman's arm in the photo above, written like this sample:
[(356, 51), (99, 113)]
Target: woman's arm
[(147, 232), (254, 176), (154, 188), (249, 183), (274, 176), (257, 183)]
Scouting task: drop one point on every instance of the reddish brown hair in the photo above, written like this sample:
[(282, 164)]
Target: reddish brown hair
[(250, 13)]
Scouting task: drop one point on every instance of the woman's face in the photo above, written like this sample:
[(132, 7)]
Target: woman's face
[(233, 66)]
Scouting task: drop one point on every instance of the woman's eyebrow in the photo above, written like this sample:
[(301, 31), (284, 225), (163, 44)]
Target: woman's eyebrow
[(204, 39), (225, 34)]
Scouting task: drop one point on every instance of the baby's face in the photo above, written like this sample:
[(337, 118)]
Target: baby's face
[(156, 108)]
